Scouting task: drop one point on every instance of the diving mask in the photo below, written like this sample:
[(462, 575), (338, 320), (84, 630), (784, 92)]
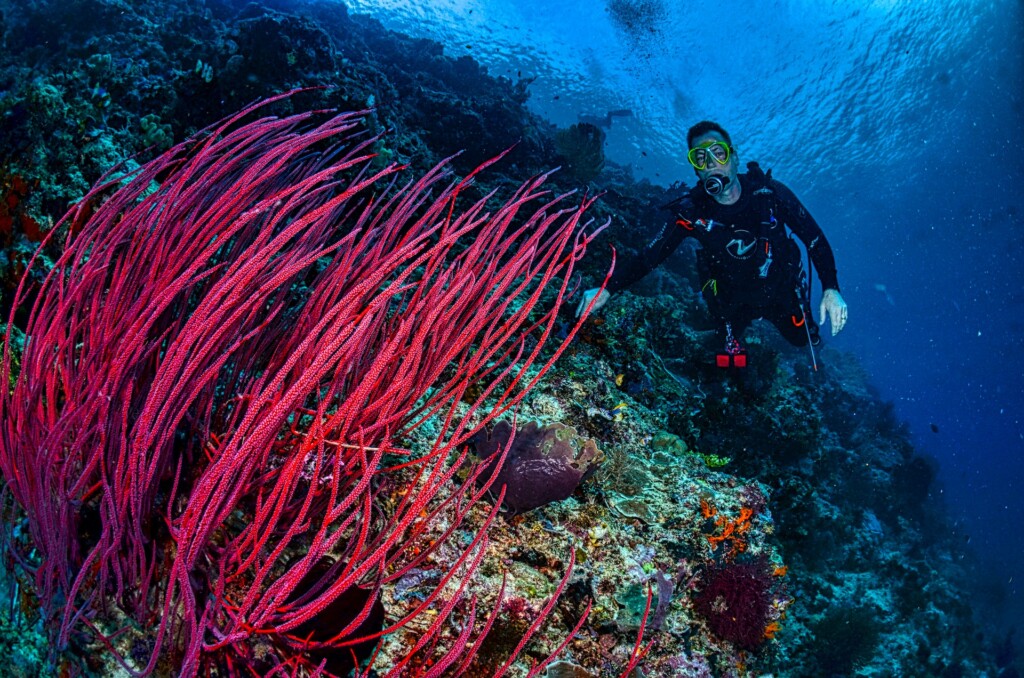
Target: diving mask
[(701, 156)]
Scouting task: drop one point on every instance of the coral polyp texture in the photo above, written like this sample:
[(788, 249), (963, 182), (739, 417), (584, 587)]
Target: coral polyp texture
[(736, 599), (207, 433)]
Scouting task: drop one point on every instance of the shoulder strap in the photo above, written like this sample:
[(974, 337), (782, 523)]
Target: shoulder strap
[(763, 180), (764, 197)]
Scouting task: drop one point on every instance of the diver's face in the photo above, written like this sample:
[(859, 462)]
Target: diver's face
[(711, 155)]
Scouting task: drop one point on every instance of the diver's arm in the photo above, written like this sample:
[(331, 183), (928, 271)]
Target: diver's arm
[(634, 269), (803, 225), (800, 221), (834, 308), (602, 298)]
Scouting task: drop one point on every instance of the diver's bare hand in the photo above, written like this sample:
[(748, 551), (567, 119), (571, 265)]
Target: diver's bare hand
[(834, 307), (602, 298)]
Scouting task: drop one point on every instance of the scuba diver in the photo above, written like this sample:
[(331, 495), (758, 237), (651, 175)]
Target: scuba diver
[(748, 263)]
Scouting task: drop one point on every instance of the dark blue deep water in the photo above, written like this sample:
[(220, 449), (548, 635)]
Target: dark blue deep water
[(901, 127)]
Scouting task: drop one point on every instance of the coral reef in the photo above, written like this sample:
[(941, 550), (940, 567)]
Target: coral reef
[(713, 490), (582, 146), (846, 638), (226, 419)]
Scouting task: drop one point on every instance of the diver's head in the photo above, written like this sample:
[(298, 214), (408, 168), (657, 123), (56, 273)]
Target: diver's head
[(702, 128), (714, 160)]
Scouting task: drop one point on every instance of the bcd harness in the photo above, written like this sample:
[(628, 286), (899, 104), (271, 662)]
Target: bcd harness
[(774, 245)]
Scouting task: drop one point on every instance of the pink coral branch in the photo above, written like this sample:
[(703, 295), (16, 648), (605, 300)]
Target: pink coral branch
[(535, 670), (221, 368), (639, 651), (540, 617)]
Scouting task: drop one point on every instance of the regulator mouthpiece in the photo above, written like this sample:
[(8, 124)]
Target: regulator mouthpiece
[(715, 184)]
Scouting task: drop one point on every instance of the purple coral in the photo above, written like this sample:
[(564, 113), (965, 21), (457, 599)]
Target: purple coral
[(544, 464), (735, 600)]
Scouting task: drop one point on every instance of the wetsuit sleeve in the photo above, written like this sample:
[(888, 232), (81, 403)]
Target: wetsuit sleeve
[(803, 225), (632, 270)]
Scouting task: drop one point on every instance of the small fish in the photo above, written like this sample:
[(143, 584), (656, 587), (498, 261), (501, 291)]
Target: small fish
[(619, 378), (934, 428), (614, 414)]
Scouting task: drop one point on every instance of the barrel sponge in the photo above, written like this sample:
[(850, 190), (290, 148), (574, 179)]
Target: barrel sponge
[(544, 463)]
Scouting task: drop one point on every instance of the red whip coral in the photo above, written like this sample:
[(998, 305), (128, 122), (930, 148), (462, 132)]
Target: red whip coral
[(206, 431)]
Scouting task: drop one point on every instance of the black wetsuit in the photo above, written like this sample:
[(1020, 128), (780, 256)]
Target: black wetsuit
[(750, 267)]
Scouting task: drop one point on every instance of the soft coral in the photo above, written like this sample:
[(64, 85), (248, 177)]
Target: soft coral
[(736, 599)]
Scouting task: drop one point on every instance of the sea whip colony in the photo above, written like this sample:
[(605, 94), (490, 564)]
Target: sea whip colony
[(205, 434)]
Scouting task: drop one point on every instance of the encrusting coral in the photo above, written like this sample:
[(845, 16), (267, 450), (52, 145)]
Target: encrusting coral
[(736, 600)]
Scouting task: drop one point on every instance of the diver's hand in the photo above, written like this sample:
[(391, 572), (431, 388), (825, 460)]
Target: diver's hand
[(832, 304), (588, 296)]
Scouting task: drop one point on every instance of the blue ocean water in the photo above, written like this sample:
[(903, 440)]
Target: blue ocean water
[(901, 127)]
